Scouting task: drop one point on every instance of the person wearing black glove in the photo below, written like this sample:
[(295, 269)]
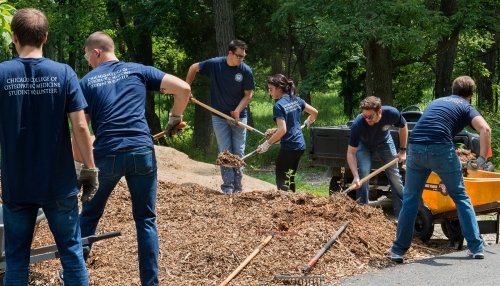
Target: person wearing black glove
[(88, 179), (37, 163), (431, 149), (123, 144)]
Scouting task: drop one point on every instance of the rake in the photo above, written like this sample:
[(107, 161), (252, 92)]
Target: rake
[(311, 280)]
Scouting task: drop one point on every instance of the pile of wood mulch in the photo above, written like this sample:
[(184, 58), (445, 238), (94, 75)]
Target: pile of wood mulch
[(205, 235)]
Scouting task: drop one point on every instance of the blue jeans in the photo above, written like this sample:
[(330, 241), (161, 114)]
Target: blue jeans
[(443, 160), (139, 168), (232, 138), (62, 217), (386, 152)]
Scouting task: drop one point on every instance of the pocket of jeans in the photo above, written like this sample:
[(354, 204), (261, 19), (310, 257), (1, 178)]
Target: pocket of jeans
[(106, 165), (144, 162)]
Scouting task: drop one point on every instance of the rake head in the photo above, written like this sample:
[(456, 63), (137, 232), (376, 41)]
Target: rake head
[(304, 280)]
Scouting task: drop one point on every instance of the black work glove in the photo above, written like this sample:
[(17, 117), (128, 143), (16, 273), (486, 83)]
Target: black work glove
[(89, 180), (173, 121)]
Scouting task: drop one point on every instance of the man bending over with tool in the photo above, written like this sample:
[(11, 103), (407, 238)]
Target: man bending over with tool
[(37, 95), (370, 136), (431, 149), (231, 90), (123, 146)]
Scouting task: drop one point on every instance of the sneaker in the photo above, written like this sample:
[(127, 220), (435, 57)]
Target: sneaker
[(60, 277), (477, 255), (394, 257)]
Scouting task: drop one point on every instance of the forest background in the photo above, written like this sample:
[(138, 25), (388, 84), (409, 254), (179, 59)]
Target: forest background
[(407, 52)]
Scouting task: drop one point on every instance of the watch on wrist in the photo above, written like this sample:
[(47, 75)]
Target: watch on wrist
[(402, 149)]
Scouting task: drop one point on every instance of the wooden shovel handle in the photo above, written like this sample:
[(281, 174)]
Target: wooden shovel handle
[(372, 174), (209, 108), (247, 260)]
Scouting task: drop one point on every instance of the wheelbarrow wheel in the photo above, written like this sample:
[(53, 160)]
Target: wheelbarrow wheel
[(451, 229), (424, 226)]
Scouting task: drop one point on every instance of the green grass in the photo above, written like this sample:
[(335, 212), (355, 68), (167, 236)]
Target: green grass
[(306, 180)]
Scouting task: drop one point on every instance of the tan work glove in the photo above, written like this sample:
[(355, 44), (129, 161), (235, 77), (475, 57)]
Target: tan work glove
[(89, 180), (173, 121)]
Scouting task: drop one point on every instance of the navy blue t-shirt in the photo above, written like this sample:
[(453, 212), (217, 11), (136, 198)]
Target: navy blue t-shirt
[(289, 109), (35, 97), (116, 94), (442, 120), (228, 84), (371, 136)]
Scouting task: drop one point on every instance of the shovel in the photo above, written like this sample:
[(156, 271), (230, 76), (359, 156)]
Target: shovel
[(241, 124), (233, 160), (240, 161), (371, 175)]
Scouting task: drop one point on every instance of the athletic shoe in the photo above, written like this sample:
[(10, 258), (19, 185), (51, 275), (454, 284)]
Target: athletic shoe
[(393, 256), (477, 255)]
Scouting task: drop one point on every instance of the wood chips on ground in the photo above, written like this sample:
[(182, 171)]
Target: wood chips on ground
[(205, 235)]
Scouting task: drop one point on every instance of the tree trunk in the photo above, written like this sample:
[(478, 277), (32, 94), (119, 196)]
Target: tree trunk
[(485, 83), (446, 53), (224, 25), (378, 72), (144, 44), (224, 33)]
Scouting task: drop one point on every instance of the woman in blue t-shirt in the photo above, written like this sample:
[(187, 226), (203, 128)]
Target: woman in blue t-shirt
[(286, 112)]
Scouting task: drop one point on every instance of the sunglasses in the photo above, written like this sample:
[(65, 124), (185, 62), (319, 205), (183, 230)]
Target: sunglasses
[(369, 117), (239, 57)]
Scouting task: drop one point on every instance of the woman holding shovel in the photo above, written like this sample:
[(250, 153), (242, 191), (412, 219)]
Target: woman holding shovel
[(286, 113)]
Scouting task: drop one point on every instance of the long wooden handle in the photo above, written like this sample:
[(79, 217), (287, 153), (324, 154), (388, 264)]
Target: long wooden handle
[(159, 135), (209, 108), (325, 247), (371, 175), (247, 260)]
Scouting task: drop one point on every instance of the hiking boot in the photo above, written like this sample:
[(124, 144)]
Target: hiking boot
[(477, 255), (393, 256)]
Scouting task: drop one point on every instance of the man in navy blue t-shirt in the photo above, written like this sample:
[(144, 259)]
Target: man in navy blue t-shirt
[(370, 137), (37, 96), (231, 90), (432, 149), (123, 146)]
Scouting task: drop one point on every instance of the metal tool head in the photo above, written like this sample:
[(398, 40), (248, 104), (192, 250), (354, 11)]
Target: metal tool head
[(227, 159), (305, 280)]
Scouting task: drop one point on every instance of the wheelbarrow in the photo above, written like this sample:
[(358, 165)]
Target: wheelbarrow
[(483, 188), (45, 252)]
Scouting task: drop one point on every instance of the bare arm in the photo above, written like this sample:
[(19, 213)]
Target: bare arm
[(403, 142), (193, 70), (82, 139), (313, 113), (280, 122), (244, 101), (180, 89), (481, 126), (353, 164)]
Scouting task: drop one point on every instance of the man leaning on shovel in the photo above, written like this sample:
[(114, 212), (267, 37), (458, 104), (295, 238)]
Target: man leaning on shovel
[(370, 136)]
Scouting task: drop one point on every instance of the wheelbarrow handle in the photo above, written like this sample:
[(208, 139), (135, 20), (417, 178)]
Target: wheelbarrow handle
[(371, 175), (241, 124)]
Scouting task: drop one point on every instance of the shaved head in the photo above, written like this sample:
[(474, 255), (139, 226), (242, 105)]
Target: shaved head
[(100, 40)]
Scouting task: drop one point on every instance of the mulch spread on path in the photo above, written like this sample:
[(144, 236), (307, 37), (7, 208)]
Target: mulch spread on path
[(205, 235)]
